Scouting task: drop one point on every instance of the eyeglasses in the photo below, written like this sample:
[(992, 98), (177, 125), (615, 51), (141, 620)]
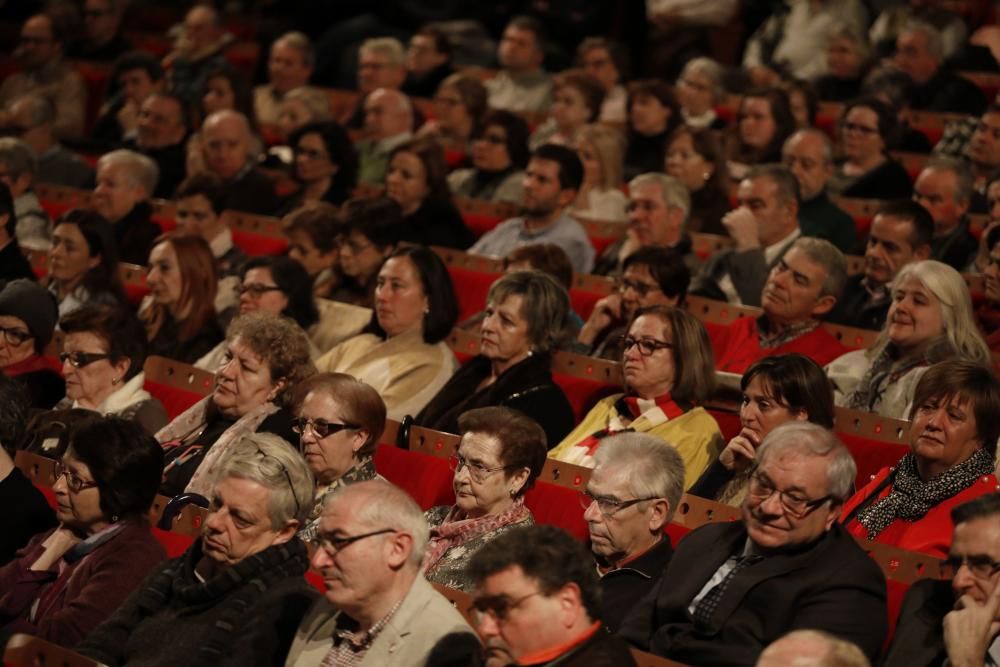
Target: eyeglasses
[(332, 544), (642, 289), (81, 359), (288, 478), (499, 606), (477, 471), (647, 346), (74, 482), (608, 506), (761, 489), (15, 336), (320, 427), (854, 127), (257, 290), (981, 567)]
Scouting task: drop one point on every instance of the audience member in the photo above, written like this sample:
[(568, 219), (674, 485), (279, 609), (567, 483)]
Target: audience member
[(868, 130), (32, 117), (325, 164), (987, 312), (315, 233), (199, 47), (802, 101), (604, 60), (700, 90), (983, 149), (459, 108), (808, 154), (601, 150), (812, 648), (83, 262), (653, 113), (521, 84), (28, 317), (547, 258), (695, 158), (17, 172), (499, 156), (920, 54), (388, 123), (576, 101), (228, 151), (381, 64), (225, 88), (944, 188), (299, 107), (373, 230), (847, 60), (135, 76), (161, 135), (199, 201), (764, 121), (428, 62), (105, 39), (126, 181), (289, 66), (13, 263)]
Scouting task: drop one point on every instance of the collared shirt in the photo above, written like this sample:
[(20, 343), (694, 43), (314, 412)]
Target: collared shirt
[(350, 646), (771, 254), (721, 573), (527, 92)]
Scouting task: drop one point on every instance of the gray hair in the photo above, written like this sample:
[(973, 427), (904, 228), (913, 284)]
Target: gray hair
[(672, 191), (390, 47), (545, 305), (268, 460), (314, 99), (782, 177), (385, 505), (18, 157), (830, 258), (962, 172), (813, 440), (139, 169), (301, 43), (713, 70), (655, 468), (40, 109), (813, 648), (935, 43), (819, 134), (850, 32)]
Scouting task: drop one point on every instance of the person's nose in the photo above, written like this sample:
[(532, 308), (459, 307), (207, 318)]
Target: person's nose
[(320, 559), (772, 504), (487, 626), (592, 514)]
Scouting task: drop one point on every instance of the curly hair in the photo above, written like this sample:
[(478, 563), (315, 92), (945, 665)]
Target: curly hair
[(281, 343)]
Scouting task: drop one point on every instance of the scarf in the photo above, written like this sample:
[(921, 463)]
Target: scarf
[(32, 364), (769, 341), (129, 395), (455, 530), (362, 471), (190, 423), (642, 414), (882, 373), (911, 497)]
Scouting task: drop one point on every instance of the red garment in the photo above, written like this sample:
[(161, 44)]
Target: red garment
[(737, 346), (33, 363), (930, 535), (550, 654)]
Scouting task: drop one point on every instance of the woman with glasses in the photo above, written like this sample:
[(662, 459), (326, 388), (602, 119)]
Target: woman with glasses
[(668, 371), (500, 456), (66, 581), (266, 358), (499, 156), (868, 131), (325, 164), (83, 261), (459, 105), (373, 229), (954, 425), (102, 360), (339, 420), (27, 319)]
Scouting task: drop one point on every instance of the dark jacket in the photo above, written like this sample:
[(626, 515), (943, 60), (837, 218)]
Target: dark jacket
[(253, 193), (957, 249), (172, 163), (135, 234), (13, 263), (600, 650), (856, 308), (821, 218), (622, 588), (748, 270), (919, 637), (948, 92), (437, 224), (167, 342), (889, 180), (644, 153), (33, 515)]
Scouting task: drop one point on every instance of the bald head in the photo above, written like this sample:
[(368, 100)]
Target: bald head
[(809, 155), (387, 113), (226, 142), (812, 648), (202, 27)]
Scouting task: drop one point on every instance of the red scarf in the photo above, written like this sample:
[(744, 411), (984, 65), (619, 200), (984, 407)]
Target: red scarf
[(456, 530), (634, 407), (35, 362)]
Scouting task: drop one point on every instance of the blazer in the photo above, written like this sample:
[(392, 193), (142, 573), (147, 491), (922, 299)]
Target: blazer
[(748, 271), (919, 637), (413, 637), (831, 585)]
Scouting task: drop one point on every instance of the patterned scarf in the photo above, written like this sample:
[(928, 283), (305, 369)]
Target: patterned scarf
[(883, 372), (362, 471), (787, 335), (911, 497), (456, 530), (630, 413)]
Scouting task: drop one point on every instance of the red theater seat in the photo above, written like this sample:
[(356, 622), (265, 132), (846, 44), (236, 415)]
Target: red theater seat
[(585, 380), (471, 277), (177, 385), (481, 216), (586, 291), (256, 234), (875, 442)]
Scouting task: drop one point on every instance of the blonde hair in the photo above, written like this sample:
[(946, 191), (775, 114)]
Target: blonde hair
[(609, 144)]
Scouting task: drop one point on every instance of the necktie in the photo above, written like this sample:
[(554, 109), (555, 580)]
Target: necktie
[(708, 604)]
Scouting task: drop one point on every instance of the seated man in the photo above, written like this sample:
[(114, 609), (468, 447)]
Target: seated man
[(900, 233), (812, 648), (634, 491), (104, 39), (32, 118), (919, 54), (381, 64), (538, 602), (802, 287), (137, 75), (521, 84), (551, 181), (388, 123), (983, 150), (378, 608), (162, 137), (944, 188), (732, 588), (17, 172), (763, 226), (428, 62), (228, 151), (289, 66), (125, 184), (13, 263), (200, 47), (237, 593)]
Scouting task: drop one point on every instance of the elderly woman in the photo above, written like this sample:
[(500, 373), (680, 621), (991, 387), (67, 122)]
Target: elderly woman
[(695, 158), (125, 182), (27, 319), (179, 312), (236, 596), (700, 90), (668, 368), (930, 319), (103, 355), (576, 101), (402, 352), (83, 261), (525, 318), (847, 55), (764, 121), (459, 106), (653, 113), (776, 390), (266, 357), (69, 579), (954, 425), (325, 164), (868, 130), (499, 156), (601, 151), (339, 421), (499, 458)]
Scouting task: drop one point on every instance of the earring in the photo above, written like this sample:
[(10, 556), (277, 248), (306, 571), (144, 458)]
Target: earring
[(707, 175), (116, 380), (512, 493)]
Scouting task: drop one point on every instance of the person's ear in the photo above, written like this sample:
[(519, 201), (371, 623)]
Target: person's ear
[(658, 515), (566, 197), (824, 305), (569, 599), (286, 533), (359, 439), (517, 481), (922, 252), (398, 548), (121, 368), (276, 389)]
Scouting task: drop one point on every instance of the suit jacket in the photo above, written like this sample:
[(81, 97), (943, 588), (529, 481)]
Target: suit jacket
[(424, 622), (919, 637), (748, 270), (832, 585)]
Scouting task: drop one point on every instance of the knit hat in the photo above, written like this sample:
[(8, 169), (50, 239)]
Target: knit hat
[(32, 304)]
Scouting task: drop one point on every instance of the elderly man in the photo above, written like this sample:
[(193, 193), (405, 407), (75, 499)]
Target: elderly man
[(237, 593), (17, 172), (763, 227), (812, 648), (944, 188), (104, 40), (900, 233), (13, 263), (40, 54), (956, 620), (808, 154), (538, 602), (521, 84), (226, 147), (378, 608), (125, 183), (632, 495), (919, 54), (428, 62), (32, 118), (551, 182), (289, 66), (199, 49), (732, 588), (162, 137), (802, 287), (138, 75), (388, 123), (381, 64)]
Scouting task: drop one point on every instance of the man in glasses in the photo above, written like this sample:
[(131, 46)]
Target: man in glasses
[(732, 588), (956, 620), (537, 602), (378, 608)]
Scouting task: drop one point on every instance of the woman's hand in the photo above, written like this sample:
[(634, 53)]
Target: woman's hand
[(606, 311), (741, 451), (56, 545)]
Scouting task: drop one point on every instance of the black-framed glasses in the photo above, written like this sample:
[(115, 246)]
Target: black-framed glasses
[(256, 290), (642, 289), (288, 478), (15, 336), (332, 544), (74, 482), (320, 427), (762, 488), (647, 346), (608, 506), (500, 606), (477, 471), (981, 566), (82, 359)]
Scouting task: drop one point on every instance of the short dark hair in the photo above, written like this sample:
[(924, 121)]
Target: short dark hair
[(667, 267), (206, 184), (517, 131), (442, 307), (359, 403), (888, 124), (616, 52), (783, 179), (319, 221), (522, 439), (338, 145), (125, 461), (570, 167), (379, 219), (7, 208), (548, 258), (14, 409), (589, 88), (796, 382), (295, 284), (983, 507), (183, 108), (431, 156), (547, 554), (440, 38), (921, 222), (967, 381), (133, 60), (528, 22), (119, 328), (100, 238)]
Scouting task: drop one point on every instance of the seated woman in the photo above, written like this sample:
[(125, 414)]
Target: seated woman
[(499, 156), (668, 369), (417, 181), (459, 106), (315, 232), (847, 60), (525, 318), (803, 102), (605, 60), (653, 113), (576, 100), (601, 150), (764, 121), (373, 230), (325, 164), (988, 312), (27, 319), (930, 320), (83, 262), (954, 424), (339, 421), (103, 356), (776, 390), (868, 131), (67, 580), (236, 596), (700, 89), (402, 352), (267, 356), (501, 454), (695, 158)]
